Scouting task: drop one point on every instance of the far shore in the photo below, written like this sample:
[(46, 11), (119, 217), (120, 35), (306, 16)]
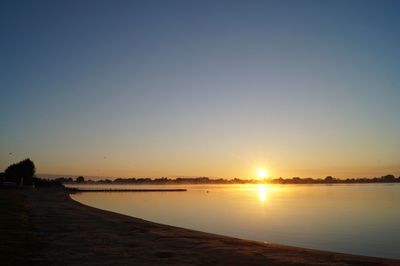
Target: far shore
[(70, 233)]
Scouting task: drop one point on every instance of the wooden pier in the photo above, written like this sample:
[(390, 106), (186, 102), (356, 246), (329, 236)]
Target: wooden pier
[(125, 190)]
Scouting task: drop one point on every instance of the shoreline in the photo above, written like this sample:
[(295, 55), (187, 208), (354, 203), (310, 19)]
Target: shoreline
[(77, 234)]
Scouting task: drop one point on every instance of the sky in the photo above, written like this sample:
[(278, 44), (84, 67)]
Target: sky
[(201, 88)]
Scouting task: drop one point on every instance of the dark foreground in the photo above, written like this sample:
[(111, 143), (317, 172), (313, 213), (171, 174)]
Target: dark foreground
[(46, 227)]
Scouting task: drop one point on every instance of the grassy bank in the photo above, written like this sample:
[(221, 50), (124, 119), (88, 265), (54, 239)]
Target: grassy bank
[(18, 245)]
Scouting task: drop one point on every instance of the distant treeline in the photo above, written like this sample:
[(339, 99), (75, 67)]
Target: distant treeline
[(23, 173), (206, 180)]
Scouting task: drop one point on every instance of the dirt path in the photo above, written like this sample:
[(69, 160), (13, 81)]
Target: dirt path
[(75, 234)]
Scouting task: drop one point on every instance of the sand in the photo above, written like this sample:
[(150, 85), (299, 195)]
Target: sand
[(74, 234)]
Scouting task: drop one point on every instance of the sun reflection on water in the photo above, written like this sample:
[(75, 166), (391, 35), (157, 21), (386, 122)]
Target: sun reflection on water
[(262, 193)]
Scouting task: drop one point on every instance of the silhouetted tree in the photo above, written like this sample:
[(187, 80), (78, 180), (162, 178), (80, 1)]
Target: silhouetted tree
[(80, 179), (329, 179), (388, 178), (21, 173)]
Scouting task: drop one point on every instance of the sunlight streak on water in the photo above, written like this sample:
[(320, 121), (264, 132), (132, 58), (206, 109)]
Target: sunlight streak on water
[(262, 192)]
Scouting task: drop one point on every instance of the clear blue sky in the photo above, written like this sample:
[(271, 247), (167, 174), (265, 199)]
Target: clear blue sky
[(213, 88)]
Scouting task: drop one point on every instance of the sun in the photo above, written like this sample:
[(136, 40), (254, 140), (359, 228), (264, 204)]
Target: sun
[(262, 173)]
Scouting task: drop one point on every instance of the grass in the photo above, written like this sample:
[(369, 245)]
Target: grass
[(18, 245)]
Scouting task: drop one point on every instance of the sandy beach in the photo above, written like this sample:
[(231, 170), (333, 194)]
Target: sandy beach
[(70, 233)]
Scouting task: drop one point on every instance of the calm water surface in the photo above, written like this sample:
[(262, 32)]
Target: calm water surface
[(359, 219)]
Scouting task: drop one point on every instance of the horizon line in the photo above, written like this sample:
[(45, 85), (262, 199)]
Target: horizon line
[(46, 175)]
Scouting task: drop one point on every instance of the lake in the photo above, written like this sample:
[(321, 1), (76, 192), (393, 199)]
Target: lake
[(361, 219)]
